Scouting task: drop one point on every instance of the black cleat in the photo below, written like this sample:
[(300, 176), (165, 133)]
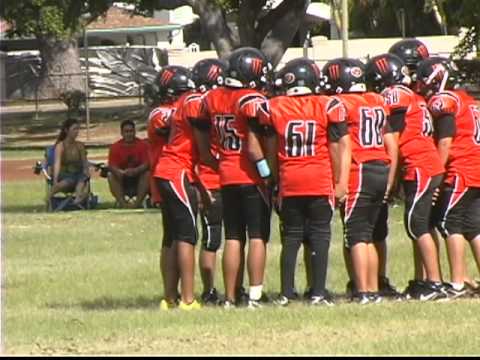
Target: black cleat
[(375, 298), (242, 297), (322, 300), (386, 289), (361, 298), (351, 289), (413, 290), (210, 297), (454, 293), (307, 294), (431, 291)]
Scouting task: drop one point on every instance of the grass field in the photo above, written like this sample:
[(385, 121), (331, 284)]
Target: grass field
[(88, 282)]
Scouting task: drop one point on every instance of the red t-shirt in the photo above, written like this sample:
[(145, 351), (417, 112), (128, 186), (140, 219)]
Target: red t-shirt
[(228, 111), (464, 155), (417, 148), (367, 121), (126, 156), (301, 124), (181, 152)]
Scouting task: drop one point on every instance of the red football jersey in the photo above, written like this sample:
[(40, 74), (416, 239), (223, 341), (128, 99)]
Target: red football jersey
[(209, 178), (301, 124), (158, 119), (367, 121), (180, 153), (417, 148), (464, 155), (228, 111)]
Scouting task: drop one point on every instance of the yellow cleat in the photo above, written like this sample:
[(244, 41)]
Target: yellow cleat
[(165, 305), (192, 306)]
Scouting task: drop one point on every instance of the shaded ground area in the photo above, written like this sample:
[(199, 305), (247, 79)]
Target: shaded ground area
[(21, 128)]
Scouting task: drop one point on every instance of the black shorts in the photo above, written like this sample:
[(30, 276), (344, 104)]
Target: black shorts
[(380, 231), (245, 209), (211, 218), (306, 219), (130, 185), (418, 217), (458, 210), (360, 215), (180, 202)]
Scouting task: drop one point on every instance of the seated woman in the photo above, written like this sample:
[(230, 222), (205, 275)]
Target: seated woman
[(70, 169)]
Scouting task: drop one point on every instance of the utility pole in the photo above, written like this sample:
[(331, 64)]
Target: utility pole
[(345, 28)]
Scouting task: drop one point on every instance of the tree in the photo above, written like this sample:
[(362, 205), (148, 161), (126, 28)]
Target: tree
[(56, 24), (258, 23)]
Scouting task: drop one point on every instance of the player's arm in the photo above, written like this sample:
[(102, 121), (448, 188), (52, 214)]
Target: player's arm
[(201, 134), (443, 109), (255, 150), (341, 157), (83, 156), (391, 146)]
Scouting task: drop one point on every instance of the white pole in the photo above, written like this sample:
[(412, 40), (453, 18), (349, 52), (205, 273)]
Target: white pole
[(87, 92), (345, 28)]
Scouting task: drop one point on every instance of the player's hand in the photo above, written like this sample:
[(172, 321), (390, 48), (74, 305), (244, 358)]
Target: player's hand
[(340, 193), (388, 191)]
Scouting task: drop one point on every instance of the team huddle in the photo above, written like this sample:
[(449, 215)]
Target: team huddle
[(233, 141)]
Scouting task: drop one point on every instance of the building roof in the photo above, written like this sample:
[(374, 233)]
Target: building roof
[(117, 18)]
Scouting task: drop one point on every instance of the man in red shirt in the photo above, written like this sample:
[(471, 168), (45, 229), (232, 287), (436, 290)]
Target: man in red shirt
[(305, 125), (245, 204), (174, 173), (374, 162), (457, 132), (128, 163), (411, 123)]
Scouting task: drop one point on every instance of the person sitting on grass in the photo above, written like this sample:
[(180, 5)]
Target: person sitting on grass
[(70, 169), (129, 168)]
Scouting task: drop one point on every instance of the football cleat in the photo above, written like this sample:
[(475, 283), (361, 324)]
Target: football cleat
[(375, 298), (241, 297), (322, 300), (194, 305), (412, 291), (361, 298), (210, 297), (166, 305), (254, 304), (281, 300), (386, 289), (431, 291), (228, 305), (454, 293)]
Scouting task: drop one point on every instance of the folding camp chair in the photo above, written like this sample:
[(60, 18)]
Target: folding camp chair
[(63, 201)]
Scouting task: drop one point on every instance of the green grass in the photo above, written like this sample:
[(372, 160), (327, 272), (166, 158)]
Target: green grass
[(88, 282)]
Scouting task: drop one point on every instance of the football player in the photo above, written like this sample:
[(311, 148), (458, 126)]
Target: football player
[(158, 129), (457, 132), (423, 170), (374, 163), (305, 125), (174, 173), (209, 74), (246, 205)]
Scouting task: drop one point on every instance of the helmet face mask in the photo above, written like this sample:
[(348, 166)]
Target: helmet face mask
[(344, 75), (435, 75), (172, 81)]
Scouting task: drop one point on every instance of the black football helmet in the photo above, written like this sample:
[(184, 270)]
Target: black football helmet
[(385, 70), (344, 75), (208, 74), (248, 68), (173, 81), (298, 77), (436, 74), (411, 51)]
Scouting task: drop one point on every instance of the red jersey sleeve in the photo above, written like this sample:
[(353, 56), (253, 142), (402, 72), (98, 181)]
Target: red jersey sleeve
[(443, 104), (192, 107), (336, 112), (159, 118), (264, 114), (248, 105)]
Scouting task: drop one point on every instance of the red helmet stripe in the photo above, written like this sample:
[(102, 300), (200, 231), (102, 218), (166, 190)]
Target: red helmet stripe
[(166, 77)]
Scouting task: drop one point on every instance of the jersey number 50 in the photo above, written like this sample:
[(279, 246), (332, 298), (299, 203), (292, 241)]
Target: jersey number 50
[(229, 138), (300, 138)]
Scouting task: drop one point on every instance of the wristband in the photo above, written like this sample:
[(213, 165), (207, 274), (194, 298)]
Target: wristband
[(263, 168)]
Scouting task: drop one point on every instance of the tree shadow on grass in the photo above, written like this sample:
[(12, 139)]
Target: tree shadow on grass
[(106, 303)]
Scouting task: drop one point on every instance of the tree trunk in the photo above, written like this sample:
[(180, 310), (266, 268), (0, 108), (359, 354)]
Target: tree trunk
[(60, 69), (280, 37)]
